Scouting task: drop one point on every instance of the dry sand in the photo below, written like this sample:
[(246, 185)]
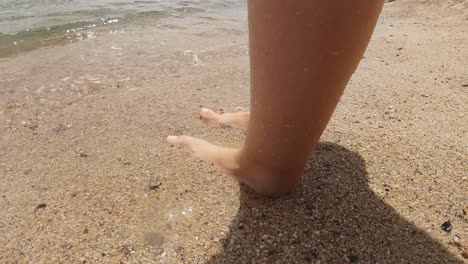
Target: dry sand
[(86, 176)]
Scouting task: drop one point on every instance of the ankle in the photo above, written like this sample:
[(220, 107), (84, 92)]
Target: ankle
[(269, 180)]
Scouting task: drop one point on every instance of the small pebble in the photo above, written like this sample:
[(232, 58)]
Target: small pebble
[(311, 254), (353, 258), (40, 206), (446, 226), (61, 128), (465, 254), (155, 184)]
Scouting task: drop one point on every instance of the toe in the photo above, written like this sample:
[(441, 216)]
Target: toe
[(173, 140), (200, 148), (224, 158), (208, 115)]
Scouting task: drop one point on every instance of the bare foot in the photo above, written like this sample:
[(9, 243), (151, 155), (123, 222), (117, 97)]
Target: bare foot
[(225, 159), (230, 160), (236, 120), (264, 180)]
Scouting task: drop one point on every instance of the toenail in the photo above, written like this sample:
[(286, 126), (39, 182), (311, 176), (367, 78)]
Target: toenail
[(172, 139)]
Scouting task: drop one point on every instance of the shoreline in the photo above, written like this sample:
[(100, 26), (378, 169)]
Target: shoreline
[(46, 35)]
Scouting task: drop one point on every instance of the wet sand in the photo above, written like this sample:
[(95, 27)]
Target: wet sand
[(86, 176)]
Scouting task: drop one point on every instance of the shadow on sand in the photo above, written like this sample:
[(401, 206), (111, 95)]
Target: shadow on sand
[(334, 217)]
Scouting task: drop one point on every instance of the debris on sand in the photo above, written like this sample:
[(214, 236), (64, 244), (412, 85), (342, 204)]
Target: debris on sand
[(40, 206), (446, 226)]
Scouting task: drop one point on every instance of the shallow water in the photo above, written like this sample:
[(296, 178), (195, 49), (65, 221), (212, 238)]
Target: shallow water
[(26, 25)]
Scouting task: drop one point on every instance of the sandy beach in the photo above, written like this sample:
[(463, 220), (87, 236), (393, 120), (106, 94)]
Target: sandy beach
[(87, 177)]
